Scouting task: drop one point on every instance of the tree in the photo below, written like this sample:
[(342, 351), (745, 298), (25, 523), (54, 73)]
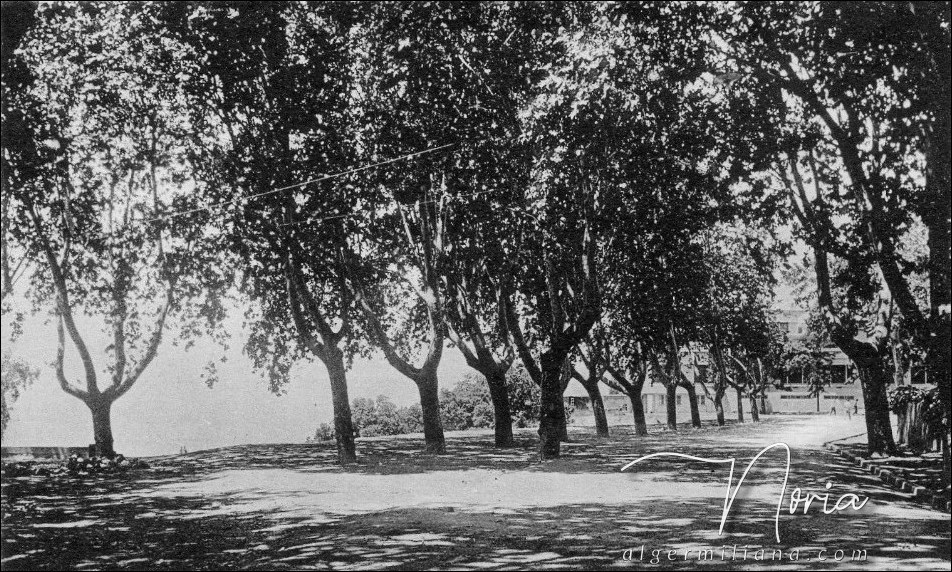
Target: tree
[(630, 380), (19, 152), (271, 86), (477, 342), (596, 368), (91, 208), (737, 323), (609, 114), (445, 77), (667, 368), (625, 123), (16, 376), (857, 113), (507, 58), (409, 98)]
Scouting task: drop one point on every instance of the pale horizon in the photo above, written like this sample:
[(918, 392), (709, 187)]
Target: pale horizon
[(158, 417)]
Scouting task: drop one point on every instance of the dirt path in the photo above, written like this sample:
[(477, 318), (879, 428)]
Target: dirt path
[(290, 507)]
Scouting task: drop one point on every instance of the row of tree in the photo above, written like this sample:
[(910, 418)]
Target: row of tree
[(607, 184)]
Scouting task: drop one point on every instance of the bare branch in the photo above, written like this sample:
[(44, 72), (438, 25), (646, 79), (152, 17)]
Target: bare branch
[(151, 351), (60, 351)]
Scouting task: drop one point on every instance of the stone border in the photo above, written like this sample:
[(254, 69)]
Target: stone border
[(918, 493)]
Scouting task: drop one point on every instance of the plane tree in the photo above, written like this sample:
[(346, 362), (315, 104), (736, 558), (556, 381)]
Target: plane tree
[(19, 146), (858, 116), (595, 370), (501, 52), (738, 326), (93, 207), (270, 89), (444, 80)]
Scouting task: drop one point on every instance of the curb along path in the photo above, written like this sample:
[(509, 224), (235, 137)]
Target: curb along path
[(895, 478)]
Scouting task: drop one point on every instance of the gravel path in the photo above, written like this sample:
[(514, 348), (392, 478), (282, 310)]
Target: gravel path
[(289, 506)]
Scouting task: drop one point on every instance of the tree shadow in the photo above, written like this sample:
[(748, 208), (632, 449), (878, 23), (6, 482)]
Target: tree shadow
[(564, 536), (257, 507)]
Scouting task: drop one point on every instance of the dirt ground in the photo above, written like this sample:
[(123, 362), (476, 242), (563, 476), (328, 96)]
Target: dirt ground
[(290, 507)]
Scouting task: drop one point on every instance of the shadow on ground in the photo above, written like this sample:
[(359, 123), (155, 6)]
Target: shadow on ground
[(290, 506)]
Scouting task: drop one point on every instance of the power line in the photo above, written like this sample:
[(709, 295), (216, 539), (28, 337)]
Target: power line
[(345, 215), (301, 184)]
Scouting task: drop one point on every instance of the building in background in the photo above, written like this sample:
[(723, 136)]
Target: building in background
[(794, 391)]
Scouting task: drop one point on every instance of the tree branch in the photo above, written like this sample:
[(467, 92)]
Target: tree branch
[(152, 349), (60, 351)]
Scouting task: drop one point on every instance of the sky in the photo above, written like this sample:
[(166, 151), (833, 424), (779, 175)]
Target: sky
[(170, 407)]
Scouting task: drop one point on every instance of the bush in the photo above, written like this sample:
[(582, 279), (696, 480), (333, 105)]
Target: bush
[(920, 416), (382, 417), (902, 396), (466, 406), (524, 397), (325, 432), (932, 414)]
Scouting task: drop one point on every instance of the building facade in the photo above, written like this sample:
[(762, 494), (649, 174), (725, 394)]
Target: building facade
[(841, 392)]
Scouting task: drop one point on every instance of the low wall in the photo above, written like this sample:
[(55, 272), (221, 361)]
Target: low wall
[(803, 402), (14, 454)]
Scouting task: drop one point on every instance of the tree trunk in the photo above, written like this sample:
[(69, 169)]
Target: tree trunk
[(899, 369), (598, 408), (102, 426), (672, 408), (432, 425), (692, 401), (499, 395), (343, 423), (902, 430), (936, 214), (917, 437), (638, 411), (944, 443), (719, 407), (552, 410), (872, 376), (565, 378), (740, 404), (563, 421), (754, 409)]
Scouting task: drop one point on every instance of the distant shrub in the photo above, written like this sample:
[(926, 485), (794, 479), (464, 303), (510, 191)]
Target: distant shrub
[(524, 397), (17, 376), (382, 417), (325, 432), (466, 406)]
